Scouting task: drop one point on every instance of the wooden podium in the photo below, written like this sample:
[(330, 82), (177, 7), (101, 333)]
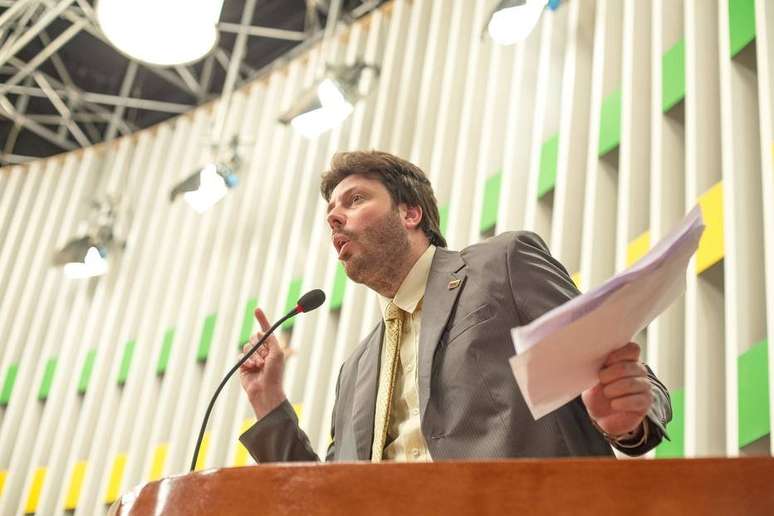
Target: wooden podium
[(525, 487)]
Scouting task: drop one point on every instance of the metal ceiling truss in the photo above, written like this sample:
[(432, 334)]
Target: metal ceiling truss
[(84, 118)]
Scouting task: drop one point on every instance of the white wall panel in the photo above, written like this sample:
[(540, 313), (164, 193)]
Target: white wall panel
[(705, 353), (764, 24), (601, 193), (518, 133), (574, 136), (666, 334)]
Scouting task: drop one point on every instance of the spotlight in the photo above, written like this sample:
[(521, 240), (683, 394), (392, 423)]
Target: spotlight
[(86, 256), (165, 33), (329, 102), (82, 258), (512, 21), (206, 186)]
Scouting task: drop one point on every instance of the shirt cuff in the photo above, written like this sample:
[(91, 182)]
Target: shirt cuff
[(633, 439)]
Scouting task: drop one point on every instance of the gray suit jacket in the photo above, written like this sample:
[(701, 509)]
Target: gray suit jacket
[(470, 404)]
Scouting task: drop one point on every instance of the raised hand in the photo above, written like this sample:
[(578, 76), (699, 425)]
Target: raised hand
[(261, 375)]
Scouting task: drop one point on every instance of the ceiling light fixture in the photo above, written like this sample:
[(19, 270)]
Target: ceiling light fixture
[(161, 32)]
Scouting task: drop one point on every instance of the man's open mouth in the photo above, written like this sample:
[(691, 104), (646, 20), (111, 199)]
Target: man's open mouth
[(340, 243)]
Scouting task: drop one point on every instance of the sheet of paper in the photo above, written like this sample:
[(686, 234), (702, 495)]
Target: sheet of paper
[(559, 355)]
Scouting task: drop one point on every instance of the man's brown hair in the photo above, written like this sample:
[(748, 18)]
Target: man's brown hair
[(405, 181)]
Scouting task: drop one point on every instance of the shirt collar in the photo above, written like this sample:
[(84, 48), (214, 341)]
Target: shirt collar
[(412, 290)]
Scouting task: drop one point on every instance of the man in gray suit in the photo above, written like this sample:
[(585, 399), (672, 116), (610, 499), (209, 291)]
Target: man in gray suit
[(432, 381)]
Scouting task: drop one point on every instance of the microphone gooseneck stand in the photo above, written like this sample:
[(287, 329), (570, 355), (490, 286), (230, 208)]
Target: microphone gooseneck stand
[(307, 303)]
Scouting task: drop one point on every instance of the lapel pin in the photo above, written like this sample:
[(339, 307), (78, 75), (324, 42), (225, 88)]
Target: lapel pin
[(454, 284)]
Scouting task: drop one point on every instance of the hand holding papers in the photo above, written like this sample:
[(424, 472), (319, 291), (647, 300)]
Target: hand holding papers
[(559, 355)]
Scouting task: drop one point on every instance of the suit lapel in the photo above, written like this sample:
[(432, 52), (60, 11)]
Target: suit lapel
[(364, 403), (447, 277)]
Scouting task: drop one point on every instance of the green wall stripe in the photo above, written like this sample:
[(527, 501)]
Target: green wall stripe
[(443, 222), (339, 287), (549, 155), (88, 367), (675, 428), (247, 322), (126, 362), (753, 383), (206, 340), (294, 292), (673, 76), (10, 380), (491, 202), (48, 379), (166, 352), (741, 24), (610, 123)]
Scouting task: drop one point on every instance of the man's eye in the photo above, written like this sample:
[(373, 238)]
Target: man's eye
[(357, 198)]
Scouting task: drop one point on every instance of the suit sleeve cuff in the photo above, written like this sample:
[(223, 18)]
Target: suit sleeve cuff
[(267, 439)]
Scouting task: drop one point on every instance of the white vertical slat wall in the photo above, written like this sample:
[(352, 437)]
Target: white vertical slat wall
[(705, 311), (666, 335), (764, 16), (599, 132)]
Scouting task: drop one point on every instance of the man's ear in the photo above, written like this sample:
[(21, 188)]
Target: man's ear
[(412, 216)]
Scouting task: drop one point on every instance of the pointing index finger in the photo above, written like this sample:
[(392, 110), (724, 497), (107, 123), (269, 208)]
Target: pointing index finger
[(262, 320)]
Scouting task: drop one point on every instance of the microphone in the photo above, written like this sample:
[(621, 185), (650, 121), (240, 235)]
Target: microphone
[(311, 300), (308, 302)]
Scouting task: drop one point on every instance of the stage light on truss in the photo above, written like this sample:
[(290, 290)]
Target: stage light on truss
[(161, 32), (329, 102), (83, 257), (512, 21), (205, 187), (86, 256)]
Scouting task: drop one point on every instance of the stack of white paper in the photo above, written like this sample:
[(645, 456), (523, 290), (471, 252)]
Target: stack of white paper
[(559, 355)]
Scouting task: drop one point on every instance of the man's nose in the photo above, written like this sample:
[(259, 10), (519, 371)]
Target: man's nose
[(336, 218)]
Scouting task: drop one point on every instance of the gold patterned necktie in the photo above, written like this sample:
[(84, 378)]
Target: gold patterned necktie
[(393, 329)]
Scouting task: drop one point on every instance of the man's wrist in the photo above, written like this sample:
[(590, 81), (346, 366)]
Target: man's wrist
[(263, 405), (633, 439)]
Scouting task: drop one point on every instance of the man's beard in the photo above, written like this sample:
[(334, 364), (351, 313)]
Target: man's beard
[(383, 249)]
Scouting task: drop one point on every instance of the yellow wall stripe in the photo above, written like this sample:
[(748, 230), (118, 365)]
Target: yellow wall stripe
[(37, 486), (116, 475), (76, 482), (637, 248), (711, 244), (2, 481), (201, 460), (576, 278), (240, 454), (159, 456)]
